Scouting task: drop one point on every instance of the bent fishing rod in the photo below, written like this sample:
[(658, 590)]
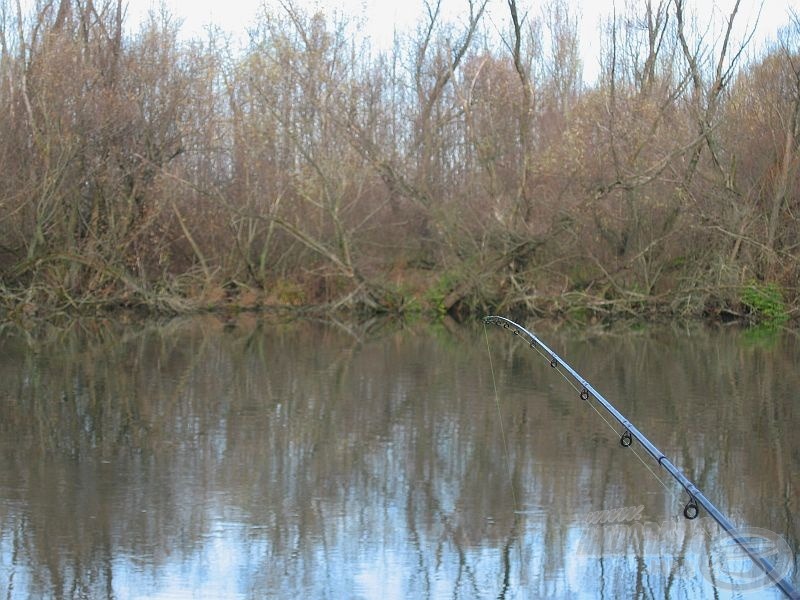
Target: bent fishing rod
[(631, 433)]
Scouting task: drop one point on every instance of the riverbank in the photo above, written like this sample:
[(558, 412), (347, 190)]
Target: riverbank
[(418, 297)]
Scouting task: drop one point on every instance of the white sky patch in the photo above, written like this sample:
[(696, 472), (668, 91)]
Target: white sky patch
[(380, 19)]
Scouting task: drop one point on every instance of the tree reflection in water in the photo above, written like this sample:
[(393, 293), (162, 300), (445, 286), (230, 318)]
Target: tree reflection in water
[(311, 460)]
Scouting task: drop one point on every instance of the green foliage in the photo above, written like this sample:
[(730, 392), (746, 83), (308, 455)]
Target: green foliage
[(438, 292), (765, 303)]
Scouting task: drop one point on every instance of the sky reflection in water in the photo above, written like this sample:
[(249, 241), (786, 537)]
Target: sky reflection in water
[(270, 461)]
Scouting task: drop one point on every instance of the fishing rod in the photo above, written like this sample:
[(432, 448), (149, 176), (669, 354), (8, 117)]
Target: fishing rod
[(696, 498)]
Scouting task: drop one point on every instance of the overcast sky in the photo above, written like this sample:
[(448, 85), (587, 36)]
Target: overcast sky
[(382, 17)]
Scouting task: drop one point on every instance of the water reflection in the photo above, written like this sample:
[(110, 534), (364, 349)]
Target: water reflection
[(195, 459)]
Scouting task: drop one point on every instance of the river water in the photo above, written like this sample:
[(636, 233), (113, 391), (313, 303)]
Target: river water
[(257, 459)]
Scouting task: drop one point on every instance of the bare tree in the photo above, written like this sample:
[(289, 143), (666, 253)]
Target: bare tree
[(707, 90)]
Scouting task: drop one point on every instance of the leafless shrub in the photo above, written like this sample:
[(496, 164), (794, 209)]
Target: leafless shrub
[(460, 168)]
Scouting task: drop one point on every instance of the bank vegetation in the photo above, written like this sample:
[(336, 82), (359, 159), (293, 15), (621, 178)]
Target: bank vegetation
[(469, 168)]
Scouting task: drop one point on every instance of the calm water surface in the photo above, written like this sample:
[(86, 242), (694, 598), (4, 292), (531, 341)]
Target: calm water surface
[(256, 460)]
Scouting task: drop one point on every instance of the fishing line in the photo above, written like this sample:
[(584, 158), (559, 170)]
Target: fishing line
[(630, 434), (505, 442), (502, 429), (571, 383)]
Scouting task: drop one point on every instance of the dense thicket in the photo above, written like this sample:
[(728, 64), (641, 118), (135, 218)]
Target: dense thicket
[(463, 170)]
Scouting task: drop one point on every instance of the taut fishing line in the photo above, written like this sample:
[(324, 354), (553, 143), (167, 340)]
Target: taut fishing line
[(591, 396), (505, 441), (502, 429)]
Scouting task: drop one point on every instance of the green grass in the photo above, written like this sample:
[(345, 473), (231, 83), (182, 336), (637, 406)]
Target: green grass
[(765, 303)]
